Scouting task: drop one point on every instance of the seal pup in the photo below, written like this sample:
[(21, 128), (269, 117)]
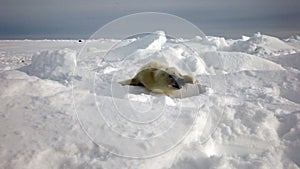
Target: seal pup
[(157, 77)]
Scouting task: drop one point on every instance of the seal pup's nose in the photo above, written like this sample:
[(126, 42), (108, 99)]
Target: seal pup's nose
[(178, 83)]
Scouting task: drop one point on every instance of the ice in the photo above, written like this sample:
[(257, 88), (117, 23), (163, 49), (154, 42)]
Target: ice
[(263, 45), (153, 42), (254, 81), (237, 61), (55, 65)]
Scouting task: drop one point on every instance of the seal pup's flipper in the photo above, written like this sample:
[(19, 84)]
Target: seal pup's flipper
[(132, 82)]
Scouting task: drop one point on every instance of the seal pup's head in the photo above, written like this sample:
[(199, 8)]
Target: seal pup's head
[(169, 78)]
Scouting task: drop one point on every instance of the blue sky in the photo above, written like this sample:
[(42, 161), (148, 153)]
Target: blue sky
[(74, 19)]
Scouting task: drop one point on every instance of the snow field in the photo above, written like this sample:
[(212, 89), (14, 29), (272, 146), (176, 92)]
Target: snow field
[(248, 119)]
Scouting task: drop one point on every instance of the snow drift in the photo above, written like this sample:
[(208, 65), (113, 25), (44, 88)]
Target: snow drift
[(55, 65), (263, 45), (237, 61), (151, 42)]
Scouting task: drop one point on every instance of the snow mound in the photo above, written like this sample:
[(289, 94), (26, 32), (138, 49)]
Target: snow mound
[(16, 83), (263, 45), (56, 65), (292, 60), (208, 43), (154, 46), (152, 42), (177, 56), (236, 62), (218, 42), (295, 38)]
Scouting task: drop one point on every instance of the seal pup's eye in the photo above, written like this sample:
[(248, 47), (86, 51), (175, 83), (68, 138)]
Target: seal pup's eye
[(170, 76)]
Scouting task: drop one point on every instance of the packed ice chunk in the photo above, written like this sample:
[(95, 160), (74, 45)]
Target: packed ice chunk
[(153, 42), (263, 45), (56, 65)]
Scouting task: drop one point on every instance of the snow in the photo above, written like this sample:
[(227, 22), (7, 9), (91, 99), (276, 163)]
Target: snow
[(152, 42), (262, 45), (61, 105), (55, 65), (236, 61)]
